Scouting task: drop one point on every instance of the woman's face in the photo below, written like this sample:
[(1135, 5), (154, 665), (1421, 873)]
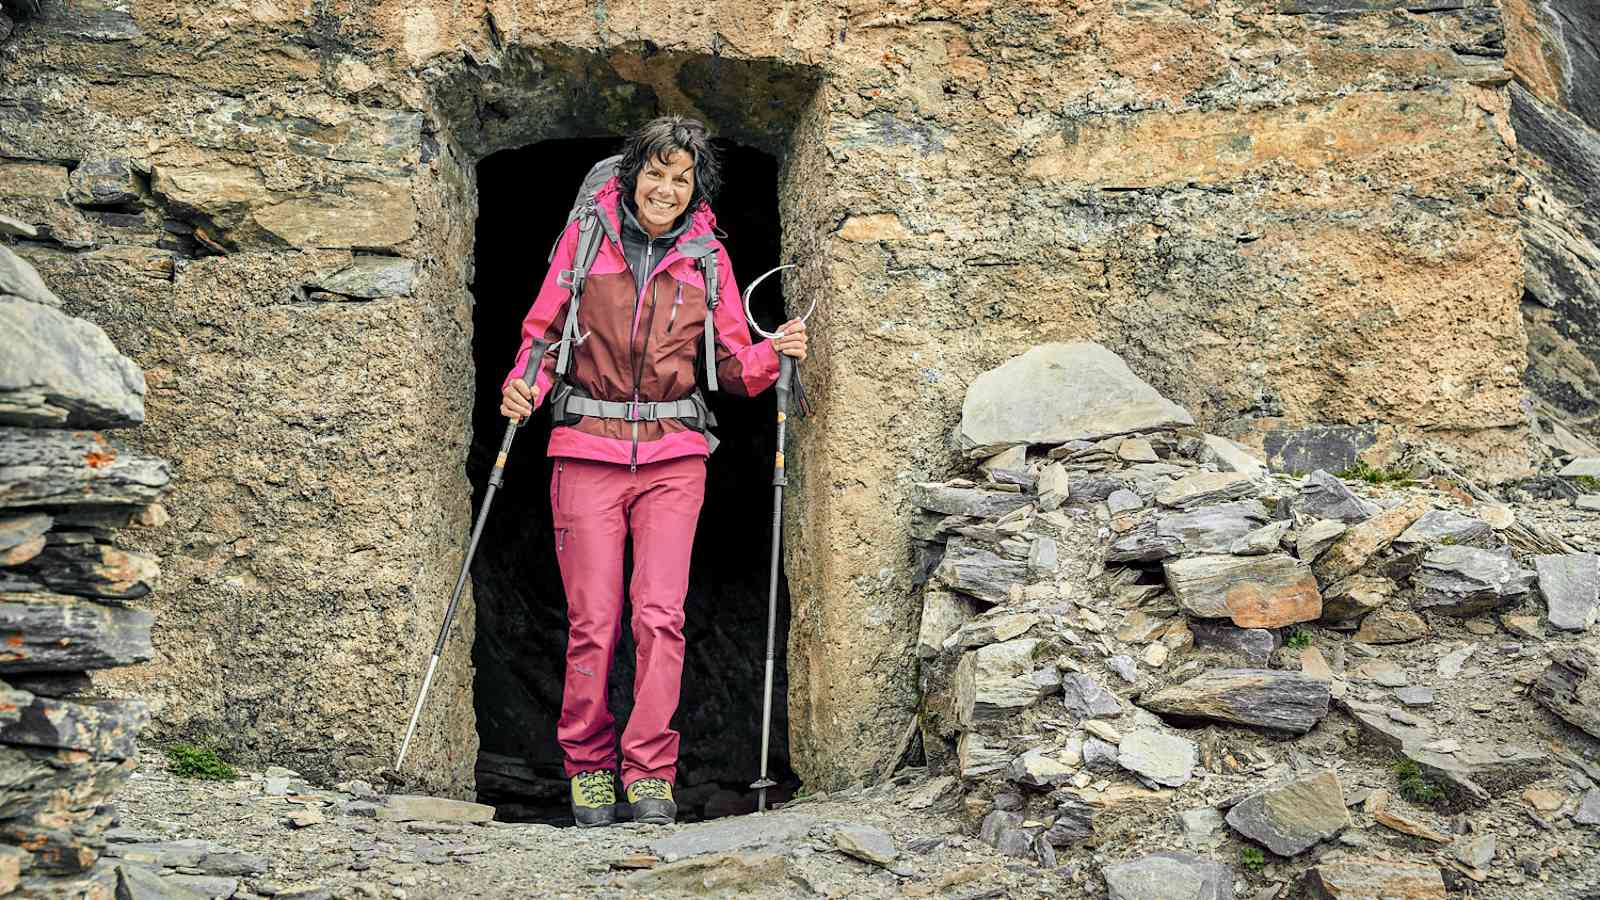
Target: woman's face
[(663, 190)]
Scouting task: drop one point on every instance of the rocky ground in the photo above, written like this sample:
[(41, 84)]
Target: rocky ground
[(272, 835)]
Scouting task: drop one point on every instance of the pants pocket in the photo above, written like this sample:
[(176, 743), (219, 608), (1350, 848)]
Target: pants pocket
[(557, 516)]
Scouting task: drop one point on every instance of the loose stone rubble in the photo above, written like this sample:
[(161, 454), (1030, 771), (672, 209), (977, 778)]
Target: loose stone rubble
[(1361, 682), (67, 593)]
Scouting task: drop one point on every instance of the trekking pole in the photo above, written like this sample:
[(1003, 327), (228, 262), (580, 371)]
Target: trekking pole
[(786, 368), (496, 478)]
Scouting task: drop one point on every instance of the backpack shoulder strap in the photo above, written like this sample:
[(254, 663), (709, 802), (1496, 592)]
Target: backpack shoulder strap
[(590, 225), (704, 251)]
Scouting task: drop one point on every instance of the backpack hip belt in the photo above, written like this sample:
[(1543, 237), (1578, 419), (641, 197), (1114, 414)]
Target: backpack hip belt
[(569, 403)]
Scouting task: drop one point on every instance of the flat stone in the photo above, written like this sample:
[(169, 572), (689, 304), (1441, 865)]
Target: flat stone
[(233, 862), (1315, 539), (1100, 756), (995, 628), (1390, 819), (1450, 664), (1391, 626), (1055, 393), (977, 757), (1474, 773), (1105, 731), (19, 281), (135, 883), (1292, 817), (417, 808), (1325, 496), (45, 632), (1253, 645), (866, 843), (1348, 599), (1165, 759), (1477, 853), (1040, 768), (1587, 502), (1253, 591), (1086, 699), (1582, 467), (1122, 500), (92, 570), (735, 833), (1169, 876), (993, 681), (105, 729), (23, 530), (1415, 696), (1467, 581), (171, 854), (369, 278), (64, 372), (1202, 826), (965, 501), (1267, 698), (1570, 584), (1136, 450), (1351, 550), (1211, 529), (1055, 487), (1570, 687), (1231, 457), (1314, 665), (1588, 808), (1361, 877), (204, 885), (1204, 488), (16, 227), (970, 567), (944, 612), (1265, 539), (1445, 526), (713, 875), (1310, 447), (47, 467)]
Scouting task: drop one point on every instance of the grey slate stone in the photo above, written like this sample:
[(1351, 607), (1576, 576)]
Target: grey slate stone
[(102, 182), (1099, 756), (1085, 698), (1056, 393), (56, 632), (1123, 500), (1267, 698), (1211, 529), (1446, 526), (60, 371), (1325, 496), (136, 883), (1570, 583), (1466, 581), (1311, 447), (960, 501), (866, 843), (19, 280), (1167, 760), (736, 833), (1588, 808), (1169, 876), (370, 277), (972, 568), (1290, 818), (1253, 645)]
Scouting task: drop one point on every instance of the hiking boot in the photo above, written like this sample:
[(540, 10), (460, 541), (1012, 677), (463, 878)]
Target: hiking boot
[(594, 798), (651, 799)]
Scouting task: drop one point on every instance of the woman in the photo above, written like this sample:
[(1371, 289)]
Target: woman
[(622, 470)]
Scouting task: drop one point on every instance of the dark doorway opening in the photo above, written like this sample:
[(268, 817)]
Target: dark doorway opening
[(524, 196)]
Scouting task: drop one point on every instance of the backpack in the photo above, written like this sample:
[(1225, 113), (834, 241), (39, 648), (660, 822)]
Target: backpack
[(590, 226)]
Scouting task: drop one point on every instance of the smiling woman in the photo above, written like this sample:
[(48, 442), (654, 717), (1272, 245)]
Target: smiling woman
[(630, 444)]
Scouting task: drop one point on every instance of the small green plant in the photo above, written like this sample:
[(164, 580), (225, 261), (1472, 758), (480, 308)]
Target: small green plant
[(1587, 482), (1363, 471), (1298, 639), (1448, 540), (1414, 786), (1251, 859), (190, 761)]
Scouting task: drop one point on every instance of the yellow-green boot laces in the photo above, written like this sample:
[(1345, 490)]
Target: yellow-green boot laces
[(594, 798), (651, 800)]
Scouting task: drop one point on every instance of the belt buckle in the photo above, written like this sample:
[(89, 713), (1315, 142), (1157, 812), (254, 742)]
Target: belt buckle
[(633, 411)]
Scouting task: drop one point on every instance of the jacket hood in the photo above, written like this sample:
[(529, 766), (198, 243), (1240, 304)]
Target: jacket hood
[(609, 201)]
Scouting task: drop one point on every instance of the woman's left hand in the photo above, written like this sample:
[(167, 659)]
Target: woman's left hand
[(793, 340)]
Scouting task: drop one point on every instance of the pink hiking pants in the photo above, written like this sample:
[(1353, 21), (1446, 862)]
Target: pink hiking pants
[(597, 507)]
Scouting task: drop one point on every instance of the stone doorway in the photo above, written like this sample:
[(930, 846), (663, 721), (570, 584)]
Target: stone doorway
[(523, 198)]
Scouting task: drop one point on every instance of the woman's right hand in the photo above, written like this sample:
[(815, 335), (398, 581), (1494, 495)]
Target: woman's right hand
[(516, 401)]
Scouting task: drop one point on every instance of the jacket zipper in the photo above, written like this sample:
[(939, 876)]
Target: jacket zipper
[(677, 301), (561, 533), (638, 375)]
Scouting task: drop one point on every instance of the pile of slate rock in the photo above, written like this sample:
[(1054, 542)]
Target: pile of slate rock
[(1107, 600), (68, 593)]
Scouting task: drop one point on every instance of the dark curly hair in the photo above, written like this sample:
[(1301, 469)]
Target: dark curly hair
[(659, 139)]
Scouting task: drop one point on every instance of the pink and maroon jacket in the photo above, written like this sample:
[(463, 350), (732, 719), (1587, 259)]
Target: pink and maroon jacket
[(652, 340)]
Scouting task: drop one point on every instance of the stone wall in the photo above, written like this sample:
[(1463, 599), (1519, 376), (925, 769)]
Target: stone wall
[(71, 599), (1280, 212)]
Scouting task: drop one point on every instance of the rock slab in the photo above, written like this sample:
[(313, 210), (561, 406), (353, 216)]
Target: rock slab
[(1169, 876), (1290, 818), (1253, 591), (1267, 698)]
